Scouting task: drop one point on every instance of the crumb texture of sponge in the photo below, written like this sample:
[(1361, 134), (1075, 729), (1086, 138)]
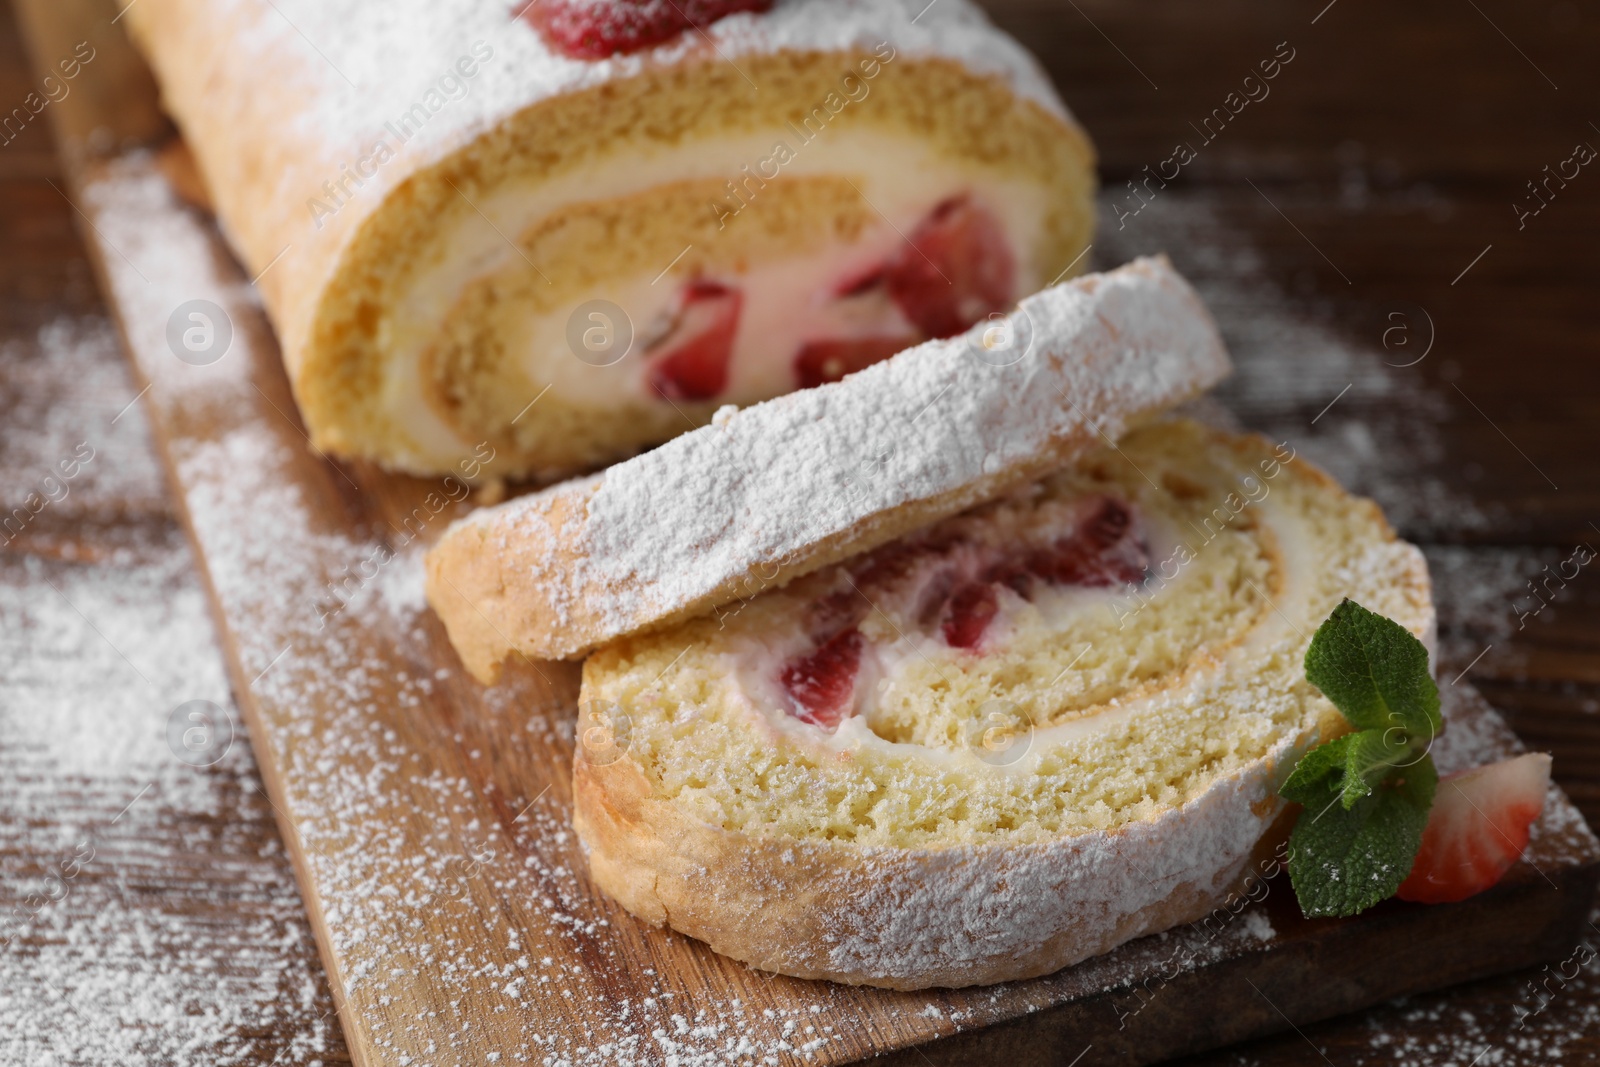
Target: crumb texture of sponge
[(1144, 729)]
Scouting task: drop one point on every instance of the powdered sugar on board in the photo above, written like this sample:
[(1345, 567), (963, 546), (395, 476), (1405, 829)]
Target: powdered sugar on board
[(432, 816), (150, 915), (1544, 1015), (453, 898)]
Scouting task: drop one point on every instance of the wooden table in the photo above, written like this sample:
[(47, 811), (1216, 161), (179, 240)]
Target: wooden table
[(1373, 189)]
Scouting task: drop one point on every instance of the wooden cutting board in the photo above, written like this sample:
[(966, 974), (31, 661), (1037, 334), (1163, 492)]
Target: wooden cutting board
[(428, 816)]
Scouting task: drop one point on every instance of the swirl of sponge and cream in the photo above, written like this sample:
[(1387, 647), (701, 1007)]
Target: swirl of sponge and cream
[(1003, 743)]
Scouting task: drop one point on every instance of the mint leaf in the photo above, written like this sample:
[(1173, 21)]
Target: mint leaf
[(1365, 795), (1308, 782), (1345, 860), (1351, 766), (1372, 756), (1374, 670)]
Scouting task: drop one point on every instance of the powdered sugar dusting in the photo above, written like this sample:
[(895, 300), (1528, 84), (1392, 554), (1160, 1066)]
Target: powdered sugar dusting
[(59, 405), (934, 913), (681, 519), (425, 78), (110, 946), (354, 63), (487, 918)]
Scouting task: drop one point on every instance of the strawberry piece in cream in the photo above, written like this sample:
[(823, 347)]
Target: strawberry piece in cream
[(595, 29), (967, 614), (691, 361), (956, 269), (822, 686), (1098, 554), (955, 586), (718, 339)]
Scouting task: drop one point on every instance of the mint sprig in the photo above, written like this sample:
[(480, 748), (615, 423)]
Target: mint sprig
[(1365, 795)]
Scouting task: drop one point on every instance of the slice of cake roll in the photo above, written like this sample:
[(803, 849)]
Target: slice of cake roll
[(559, 232), (784, 487), (1001, 743)]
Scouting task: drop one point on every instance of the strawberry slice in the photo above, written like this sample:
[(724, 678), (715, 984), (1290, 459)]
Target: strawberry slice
[(691, 361), (968, 613), (1070, 562), (952, 584), (956, 269), (1099, 552), (820, 362), (595, 29), (822, 686), (1477, 829)]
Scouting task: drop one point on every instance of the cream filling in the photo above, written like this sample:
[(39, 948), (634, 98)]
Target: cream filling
[(756, 665), (1288, 617), (785, 302), (1056, 607), (755, 661)]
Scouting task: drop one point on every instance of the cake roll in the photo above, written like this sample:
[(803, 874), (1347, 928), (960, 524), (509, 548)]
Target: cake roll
[(559, 233), (1002, 743)]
